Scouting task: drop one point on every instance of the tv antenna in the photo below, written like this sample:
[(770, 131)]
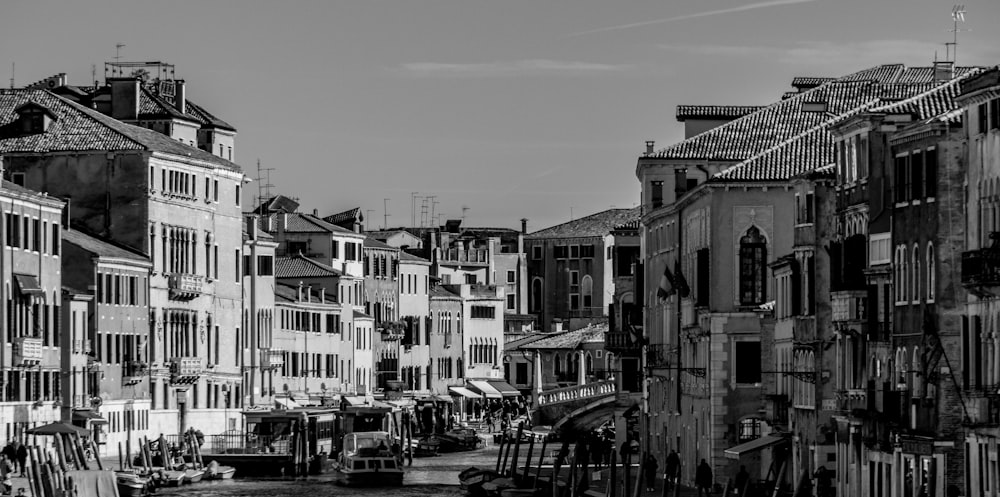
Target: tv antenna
[(385, 213), (263, 183), (413, 208), (118, 51), (464, 210), (12, 75), (951, 49)]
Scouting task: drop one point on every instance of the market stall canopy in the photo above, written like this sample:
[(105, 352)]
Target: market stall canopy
[(484, 387), (58, 428), (464, 392), (754, 446), (505, 388)]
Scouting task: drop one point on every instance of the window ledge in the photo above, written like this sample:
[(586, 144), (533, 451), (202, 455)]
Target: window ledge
[(902, 204), (930, 301), (930, 200), (915, 202)]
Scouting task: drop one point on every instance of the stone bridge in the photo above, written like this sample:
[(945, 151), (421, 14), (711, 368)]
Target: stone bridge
[(580, 407)]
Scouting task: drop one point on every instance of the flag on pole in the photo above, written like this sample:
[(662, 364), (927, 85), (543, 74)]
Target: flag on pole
[(682, 285), (668, 284)]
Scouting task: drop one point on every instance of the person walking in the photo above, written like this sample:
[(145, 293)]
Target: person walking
[(703, 479), (649, 468), (673, 468), (22, 457), (742, 479)]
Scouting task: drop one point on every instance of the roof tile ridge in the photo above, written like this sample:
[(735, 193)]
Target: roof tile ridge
[(99, 118), (951, 83)]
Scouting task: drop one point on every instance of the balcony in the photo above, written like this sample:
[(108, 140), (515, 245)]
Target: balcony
[(805, 235), (804, 330), (621, 343), (185, 370), (658, 356), (133, 372), (854, 402), (777, 409), (392, 331), (473, 256), (984, 412), (184, 286), (271, 359), (850, 307), (27, 351), (981, 268)]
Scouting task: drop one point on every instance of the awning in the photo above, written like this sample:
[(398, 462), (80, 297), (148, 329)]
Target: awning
[(484, 387), (753, 446), (28, 284), (505, 388), (285, 403), (464, 392), (354, 400), (91, 416)]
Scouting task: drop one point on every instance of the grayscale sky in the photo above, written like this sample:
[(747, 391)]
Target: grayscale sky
[(512, 108)]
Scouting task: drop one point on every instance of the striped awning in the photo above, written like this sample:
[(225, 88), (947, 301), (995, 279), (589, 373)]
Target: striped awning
[(484, 387), (464, 392)]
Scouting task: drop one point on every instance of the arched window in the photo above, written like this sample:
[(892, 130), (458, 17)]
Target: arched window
[(915, 372), (753, 267), (897, 275), (536, 294), (557, 357), (590, 364), (915, 274), (904, 283), (931, 266), (587, 290)]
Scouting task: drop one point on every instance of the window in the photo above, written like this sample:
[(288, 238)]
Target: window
[(753, 267), (930, 173), (749, 430), (335, 249), (237, 259), (656, 193), (574, 301), (511, 302), (55, 239), (702, 283), (246, 265), (536, 252), (930, 272), (574, 251), (215, 190), (587, 290), (470, 279), (560, 252), (511, 277), (587, 251), (521, 373), (483, 312), (917, 175), (915, 273), (983, 122), (17, 179), (901, 171), (265, 265), (536, 295), (237, 195), (747, 362)]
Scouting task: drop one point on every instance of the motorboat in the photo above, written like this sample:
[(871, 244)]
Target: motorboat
[(193, 475), (130, 484), (367, 460), (173, 478), (215, 471)]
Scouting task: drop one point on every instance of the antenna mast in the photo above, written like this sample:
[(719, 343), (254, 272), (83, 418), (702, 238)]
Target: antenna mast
[(957, 15), (263, 184), (12, 75), (118, 51), (385, 213)]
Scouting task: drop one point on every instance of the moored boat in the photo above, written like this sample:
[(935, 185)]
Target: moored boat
[(217, 472), (172, 478), (366, 460), (193, 475), (130, 484)]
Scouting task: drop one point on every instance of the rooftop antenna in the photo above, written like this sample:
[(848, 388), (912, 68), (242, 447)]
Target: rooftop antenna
[(413, 208), (385, 213), (263, 183), (434, 203), (12, 75), (424, 211), (118, 51), (93, 74), (957, 15), (571, 213), (464, 210)]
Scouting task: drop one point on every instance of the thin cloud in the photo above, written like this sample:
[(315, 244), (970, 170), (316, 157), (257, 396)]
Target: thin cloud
[(507, 68), (824, 53), (731, 10)]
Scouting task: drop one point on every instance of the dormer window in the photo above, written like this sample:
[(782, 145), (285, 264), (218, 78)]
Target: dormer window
[(34, 118)]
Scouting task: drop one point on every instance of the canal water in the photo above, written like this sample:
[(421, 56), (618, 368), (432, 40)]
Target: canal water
[(429, 476)]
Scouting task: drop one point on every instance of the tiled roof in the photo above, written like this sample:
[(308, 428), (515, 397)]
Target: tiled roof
[(809, 81), (598, 224), (814, 148), (628, 225), (373, 243), (299, 266), (714, 111), (359, 314), (207, 117), (350, 215), (785, 139), (290, 293), (100, 247), (571, 339), (79, 129), (277, 203), (789, 94), (11, 188), (440, 291), (153, 106), (296, 222), (406, 256), (520, 342)]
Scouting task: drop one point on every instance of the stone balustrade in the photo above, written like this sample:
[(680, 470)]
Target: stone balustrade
[(578, 392)]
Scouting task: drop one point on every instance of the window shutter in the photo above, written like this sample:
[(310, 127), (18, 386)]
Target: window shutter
[(796, 288), (702, 278)]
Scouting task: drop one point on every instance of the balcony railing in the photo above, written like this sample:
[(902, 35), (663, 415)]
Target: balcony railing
[(184, 286), (657, 356), (984, 412), (27, 351), (473, 256), (853, 400), (81, 346), (621, 342), (185, 370), (272, 358), (981, 267), (850, 305), (133, 372)]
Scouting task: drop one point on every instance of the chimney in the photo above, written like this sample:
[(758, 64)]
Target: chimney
[(300, 292), (322, 295), (180, 96), (649, 146), (125, 99), (524, 226), (252, 227), (309, 293), (943, 71), (315, 212), (282, 223)]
